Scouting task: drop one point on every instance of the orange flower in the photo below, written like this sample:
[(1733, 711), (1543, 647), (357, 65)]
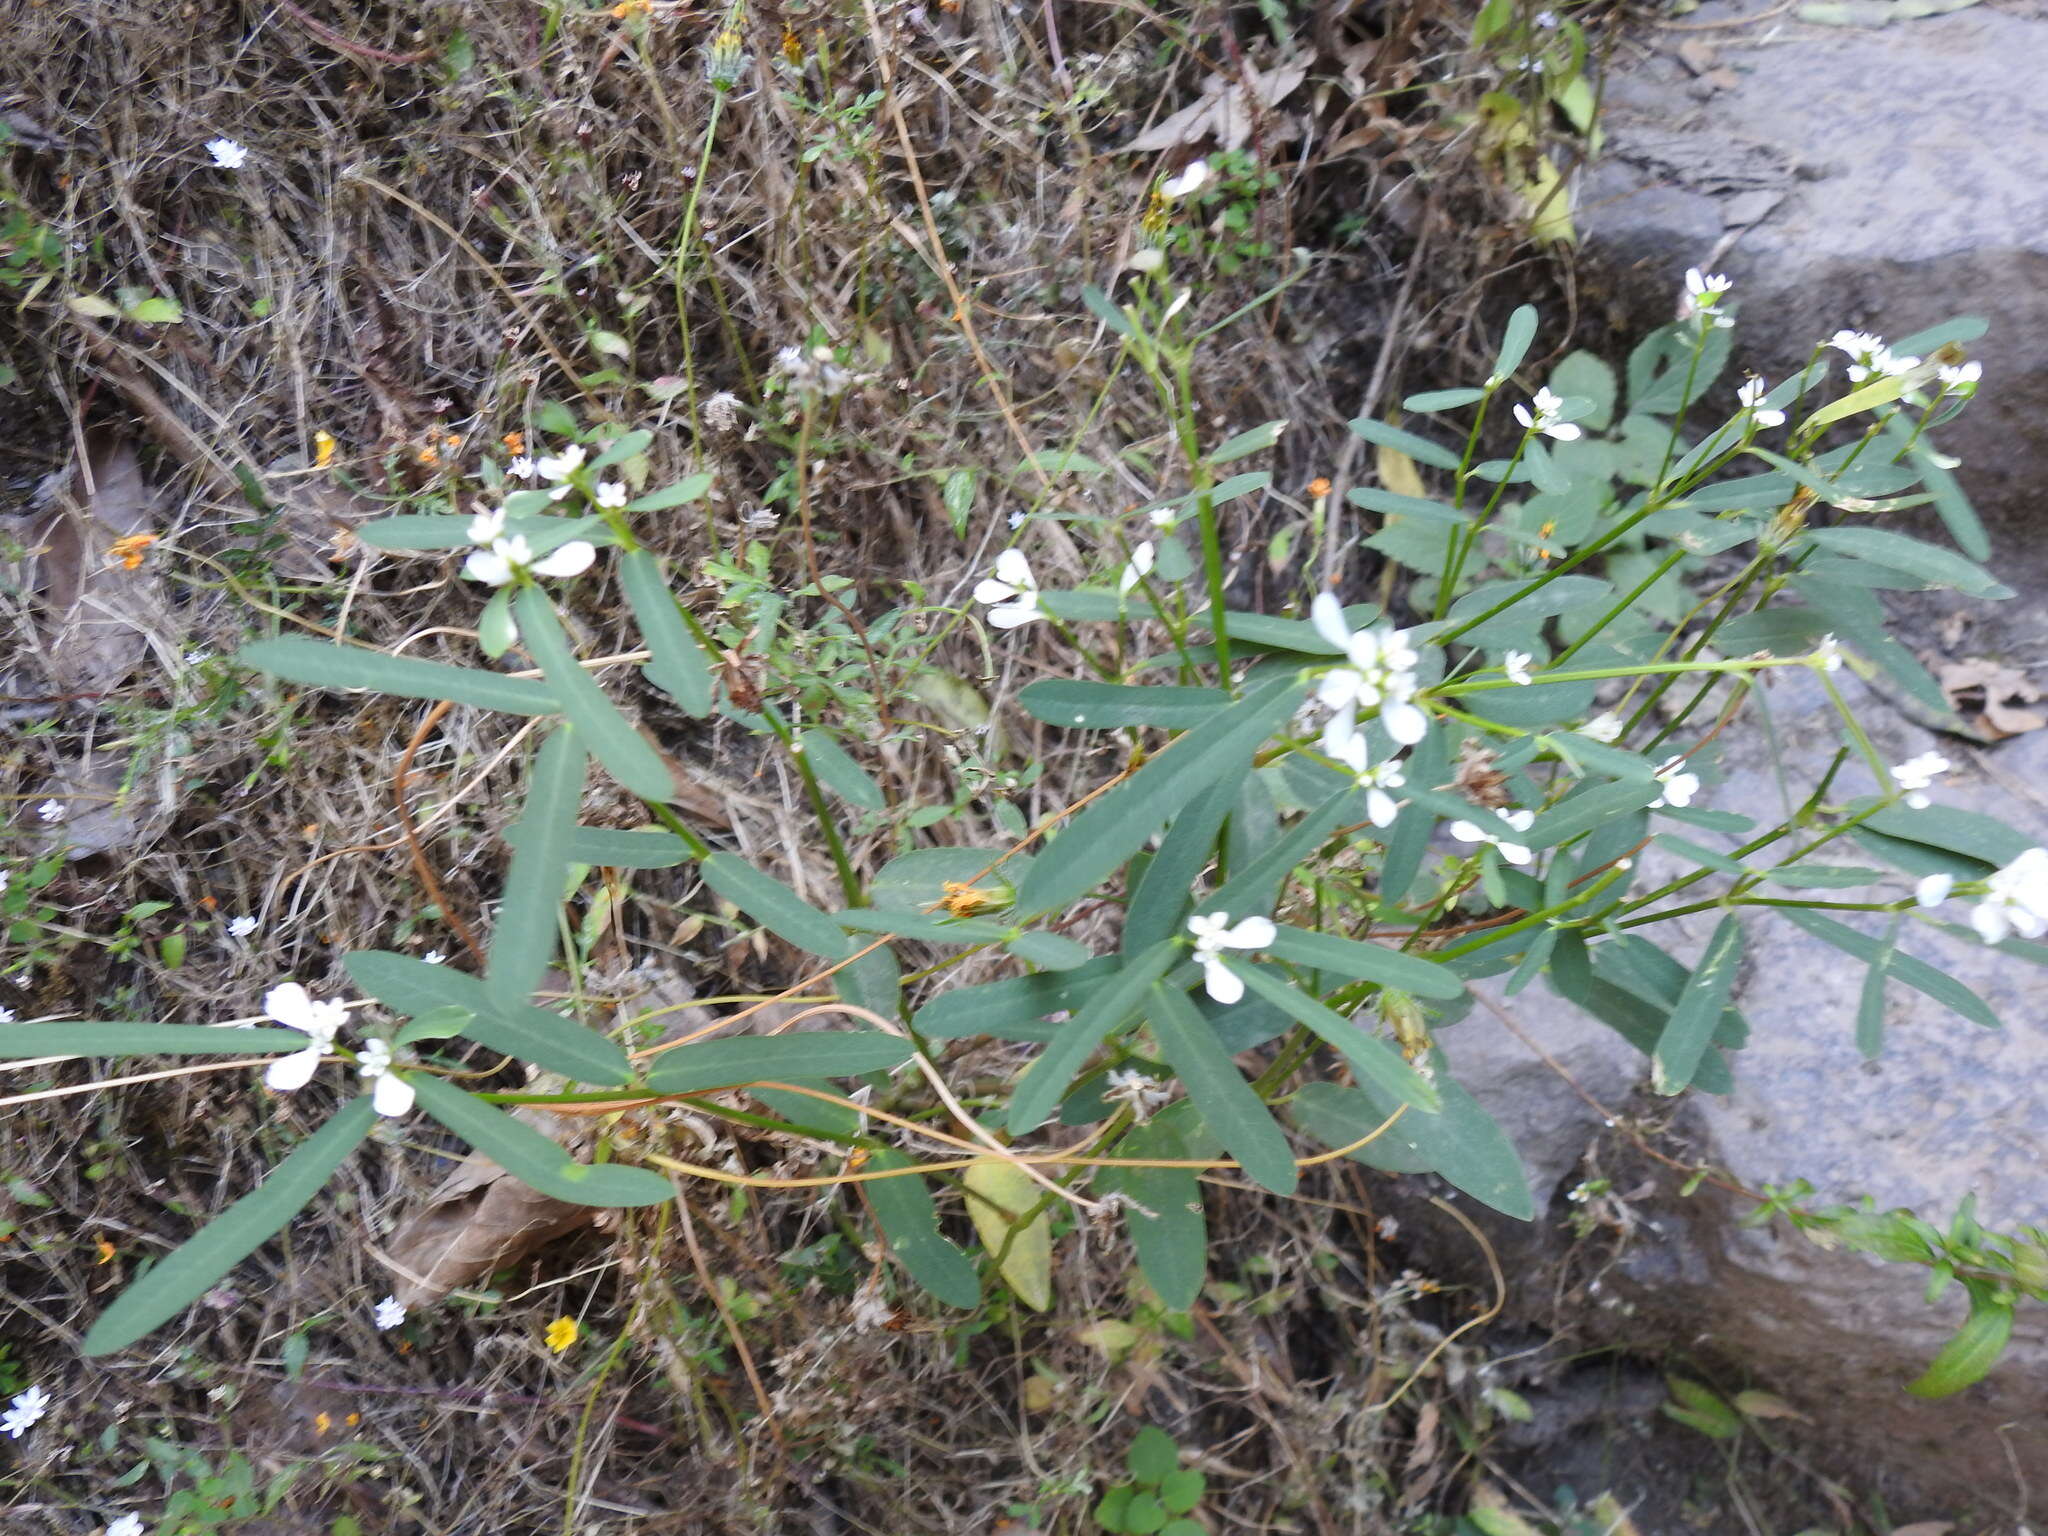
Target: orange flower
[(106, 1251), (1319, 487), (515, 442), (128, 550)]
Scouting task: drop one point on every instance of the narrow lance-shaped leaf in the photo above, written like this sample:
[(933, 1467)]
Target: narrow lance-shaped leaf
[(1917, 974), (775, 906), (618, 847), (534, 1158), (736, 1062), (1369, 1056), (622, 750), (1236, 1115), (96, 1038), (677, 665), (299, 660), (1164, 891), (523, 940), (1047, 1078), (1693, 1021), (1968, 1357), (1164, 1210), (174, 1283), (903, 1209), (1367, 962), (1093, 706)]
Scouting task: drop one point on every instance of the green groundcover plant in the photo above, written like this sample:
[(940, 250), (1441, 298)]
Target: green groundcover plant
[(1328, 828)]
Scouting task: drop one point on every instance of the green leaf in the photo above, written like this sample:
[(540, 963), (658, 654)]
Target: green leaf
[(174, 1283), (1152, 1456), (1257, 440), (775, 906), (300, 660), (411, 532), (1514, 341), (1062, 462), (1442, 399), (1462, 1144), (686, 490), (1103, 308), (533, 1157), (928, 927), (903, 1209), (1164, 1212), (678, 666), (1015, 1007), (1235, 1114), (1368, 1055), (1253, 884), (1969, 833), (1393, 504), (93, 1038), (436, 1024), (1917, 974), (1106, 706), (917, 880), (616, 847), (623, 447), (1866, 397), (1590, 377), (523, 938), (1163, 891), (1531, 600), (1366, 961), (1928, 563), (1102, 838), (1420, 449), (1054, 951), (1696, 1406), (841, 774), (1800, 877), (157, 310), (740, 1060), (1182, 1490), (1588, 808), (622, 750), (1039, 1090), (1691, 1025), (1965, 1359)]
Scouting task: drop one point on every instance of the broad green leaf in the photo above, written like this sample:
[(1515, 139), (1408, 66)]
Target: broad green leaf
[(1164, 890), (1590, 377), (1420, 449), (622, 750), (534, 1158), (1646, 969), (1960, 329), (1969, 833), (742, 1059), (1969, 1356), (927, 927), (1104, 706), (523, 938), (1917, 974), (1045, 1082), (1462, 1144), (1514, 341), (1337, 1116), (840, 773), (1153, 1456), (1393, 504), (1929, 563), (1366, 961), (677, 667), (532, 1034), (1257, 440), (436, 1024), (1054, 951), (1691, 1025), (1235, 1115), (1371, 1057), (775, 906), (1407, 841), (1164, 1210), (833, 1120), (686, 490), (918, 879), (93, 1038), (1536, 598), (299, 660), (874, 982), (903, 1209), (1587, 808), (1442, 399), (616, 847), (1102, 838), (1879, 391), (174, 1283), (1000, 1196), (1253, 885), (1015, 1007), (623, 447), (413, 532)]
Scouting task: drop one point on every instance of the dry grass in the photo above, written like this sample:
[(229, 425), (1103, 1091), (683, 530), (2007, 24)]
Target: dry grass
[(443, 209)]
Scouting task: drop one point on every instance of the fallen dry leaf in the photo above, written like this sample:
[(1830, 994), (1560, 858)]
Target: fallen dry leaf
[(1993, 690), (1226, 110), (102, 613)]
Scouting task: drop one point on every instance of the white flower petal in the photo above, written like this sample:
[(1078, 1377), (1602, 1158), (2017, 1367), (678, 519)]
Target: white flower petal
[(1010, 615), (1327, 615), (1220, 981), (1405, 722), (1252, 933), (290, 1073), (488, 567), (1934, 890), (393, 1095), (572, 559), (1013, 568)]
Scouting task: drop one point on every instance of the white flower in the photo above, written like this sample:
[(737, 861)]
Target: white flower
[(51, 810), (722, 411), (1380, 807), (1214, 934), (1016, 520), (2015, 899), (1828, 654), (1679, 786), (1516, 665), (559, 467), (1960, 379), (392, 1095), (227, 154), (1381, 673), (1164, 517), (1144, 1094), (6, 1015), (1933, 891), (1752, 397), (432, 957), (127, 1525), (487, 527), (1545, 19), (1916, 773), (611, 493), (1011, 595), (1702, 297), (1605, 726), (814, 370), (388, 1314), (24, 1411), (1190, 179), (1868, 355), (1511, 821), (1148, 259), (1543, 418), (508, 558), (1140, 566), (521, 468), (291, 1006), (241, 927)]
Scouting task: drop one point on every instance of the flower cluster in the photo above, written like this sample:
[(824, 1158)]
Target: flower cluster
[(1915, 774), (1214, 934), (1701, 300), (1380, 807), (23, 1412), (1543, 415), (1869, 355), (2015, 900), (292, 1006), (501, 559), (1751, 395), (1380, 674), (1509, 821), (1011, 595)]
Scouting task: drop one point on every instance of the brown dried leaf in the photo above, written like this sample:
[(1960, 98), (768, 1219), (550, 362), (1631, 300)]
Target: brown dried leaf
[(103, 615), (1226, 110), (1976, 685), (1476, 777)]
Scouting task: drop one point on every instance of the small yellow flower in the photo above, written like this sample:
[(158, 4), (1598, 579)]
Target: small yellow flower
[(106, 1251), (128, 551), (323, 449), (561, 1334), (322, 1423), (963, 900)]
